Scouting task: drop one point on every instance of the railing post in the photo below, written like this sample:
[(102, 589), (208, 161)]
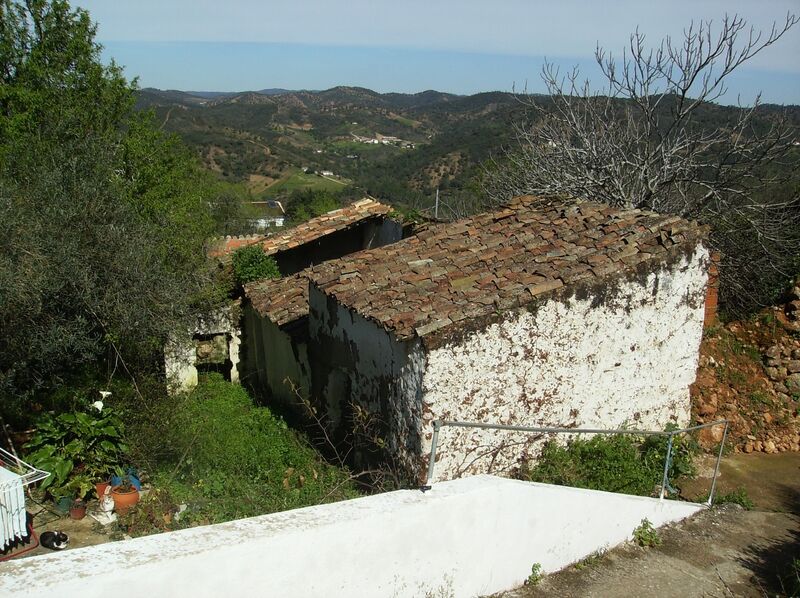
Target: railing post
[(432, 458), (666, 468), (716, 467)]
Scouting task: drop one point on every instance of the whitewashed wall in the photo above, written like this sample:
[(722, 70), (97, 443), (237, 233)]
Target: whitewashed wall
[(270, 357), (627, 360), (470, 537), (356, 362)]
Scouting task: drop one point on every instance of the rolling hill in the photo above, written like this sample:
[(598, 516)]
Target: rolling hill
[(393, 145)]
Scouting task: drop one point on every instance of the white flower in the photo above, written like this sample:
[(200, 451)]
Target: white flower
[(98, 405), (105, 393)]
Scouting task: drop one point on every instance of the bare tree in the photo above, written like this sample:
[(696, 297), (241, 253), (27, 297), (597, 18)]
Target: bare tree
[(653, 137)]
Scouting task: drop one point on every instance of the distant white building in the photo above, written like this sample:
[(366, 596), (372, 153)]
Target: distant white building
[(268, 222)]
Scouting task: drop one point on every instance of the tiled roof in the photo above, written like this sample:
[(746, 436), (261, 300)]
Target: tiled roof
[(282, 300), (224, 246), (306, 232), (495, 261), (324, 225)]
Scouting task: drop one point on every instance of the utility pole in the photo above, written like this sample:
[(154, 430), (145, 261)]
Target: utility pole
[(436, 206)]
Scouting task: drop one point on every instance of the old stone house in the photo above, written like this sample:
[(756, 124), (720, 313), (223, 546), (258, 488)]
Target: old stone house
[(262, 352), (576, 315), (275, 312)]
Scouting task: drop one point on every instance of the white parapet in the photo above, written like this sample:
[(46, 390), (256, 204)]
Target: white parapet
[(468, 537)]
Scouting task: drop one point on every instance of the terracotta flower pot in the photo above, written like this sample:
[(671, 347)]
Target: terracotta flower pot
[(77, 510), (100, 488), (124, 500)]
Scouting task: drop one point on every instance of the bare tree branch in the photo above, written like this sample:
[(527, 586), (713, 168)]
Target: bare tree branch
[(652, 137)]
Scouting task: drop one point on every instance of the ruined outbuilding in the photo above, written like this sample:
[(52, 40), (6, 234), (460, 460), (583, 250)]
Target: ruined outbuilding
[(275, 313), (575, 315), (262, 351)]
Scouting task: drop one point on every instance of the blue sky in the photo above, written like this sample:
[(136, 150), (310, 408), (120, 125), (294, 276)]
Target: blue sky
[(462, 46)]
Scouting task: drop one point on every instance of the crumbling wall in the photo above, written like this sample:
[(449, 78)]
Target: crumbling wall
[(368, 383), (184, 353), (622, 352)]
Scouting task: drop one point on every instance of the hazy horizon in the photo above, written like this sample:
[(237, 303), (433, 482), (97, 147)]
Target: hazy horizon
[(463, 47)]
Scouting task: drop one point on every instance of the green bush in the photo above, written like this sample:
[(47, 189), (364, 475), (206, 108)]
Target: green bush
[(251, 263), (230, 459), (536, 575), (738, 497), (614, 463)]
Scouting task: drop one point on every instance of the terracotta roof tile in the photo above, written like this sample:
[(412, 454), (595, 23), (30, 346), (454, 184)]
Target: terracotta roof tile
[(282, 300), (324, 225), (306, 232), (495, 261)]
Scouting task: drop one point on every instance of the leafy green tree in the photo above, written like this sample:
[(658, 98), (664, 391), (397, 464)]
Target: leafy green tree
[(251, 263), (103, 219)]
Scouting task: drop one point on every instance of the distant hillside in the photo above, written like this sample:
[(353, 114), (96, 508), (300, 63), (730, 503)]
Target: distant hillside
[(264, 138)]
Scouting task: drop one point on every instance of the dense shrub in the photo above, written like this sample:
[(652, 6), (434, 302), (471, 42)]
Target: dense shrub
[(251, 263), (79, 449), (615, 463)]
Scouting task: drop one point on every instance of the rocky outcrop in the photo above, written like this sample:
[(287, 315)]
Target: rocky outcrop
[(750, 374)]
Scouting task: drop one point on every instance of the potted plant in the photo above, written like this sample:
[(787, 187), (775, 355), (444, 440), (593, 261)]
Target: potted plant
[(89, 443), (62, 499), (77, 509), (125, 495), (80, 485)]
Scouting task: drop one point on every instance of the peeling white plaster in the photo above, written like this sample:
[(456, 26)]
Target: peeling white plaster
[(625, 358), (627, 361), (358, 363)]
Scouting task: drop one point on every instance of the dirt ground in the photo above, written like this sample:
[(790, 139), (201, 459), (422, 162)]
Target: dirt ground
[(81, 533), (725, 551)]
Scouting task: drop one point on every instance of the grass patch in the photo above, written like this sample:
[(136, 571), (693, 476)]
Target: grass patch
[(759, 398), (300, 181), (732, 376), (737, 497), (406, 121), (590, 561), (226, 458)]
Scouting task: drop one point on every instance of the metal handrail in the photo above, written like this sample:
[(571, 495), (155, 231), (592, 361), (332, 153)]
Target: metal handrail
[(440, 423)]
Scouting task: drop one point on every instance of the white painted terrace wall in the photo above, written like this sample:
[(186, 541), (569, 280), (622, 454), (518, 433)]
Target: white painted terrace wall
[(626, 358), (469, 537)]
